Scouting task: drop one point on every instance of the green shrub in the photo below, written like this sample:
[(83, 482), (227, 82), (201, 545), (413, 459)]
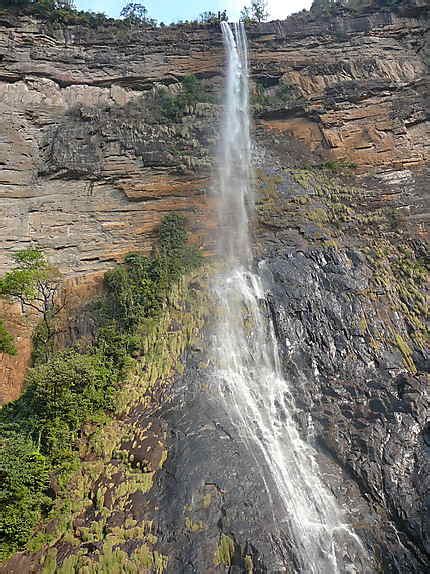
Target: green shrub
[(56, 11), (71, 387), (132, 291), (173, 235), (6, 341), (59, 397), (173, 107), (137, 288), (285, 92), (337, 166)]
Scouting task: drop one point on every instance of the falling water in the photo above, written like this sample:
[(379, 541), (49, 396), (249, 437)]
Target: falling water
[(255, 394)]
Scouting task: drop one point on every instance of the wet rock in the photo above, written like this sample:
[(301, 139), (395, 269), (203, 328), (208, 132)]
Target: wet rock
[(372, 421)]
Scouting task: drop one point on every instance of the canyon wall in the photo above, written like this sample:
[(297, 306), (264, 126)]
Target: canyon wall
[(89, 168)]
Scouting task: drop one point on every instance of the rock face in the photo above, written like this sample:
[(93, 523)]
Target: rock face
[(90, 170), (359, 87), (86, 174), (370, 415)]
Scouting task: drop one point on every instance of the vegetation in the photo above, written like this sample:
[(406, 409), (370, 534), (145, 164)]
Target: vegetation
[(283, 96), (255, 12), (132, 15), (24, 475), (337, 166), (172, 107), (41, 430), (62, 11), (6, 341), (137, 14), (36, 285), (225, 550), (213, 18)]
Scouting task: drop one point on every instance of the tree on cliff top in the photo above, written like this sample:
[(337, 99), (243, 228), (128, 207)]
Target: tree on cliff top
[(213, 18), (47, 4), (135, 13), (255, 12)]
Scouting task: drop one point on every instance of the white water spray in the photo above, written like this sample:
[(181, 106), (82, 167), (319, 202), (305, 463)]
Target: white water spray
[(256, 396)]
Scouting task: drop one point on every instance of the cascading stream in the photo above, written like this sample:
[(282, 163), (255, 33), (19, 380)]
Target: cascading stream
[(257, 398)]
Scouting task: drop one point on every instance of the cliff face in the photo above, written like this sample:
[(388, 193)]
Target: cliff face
[(85, 174), (89, 170), (362, 86)]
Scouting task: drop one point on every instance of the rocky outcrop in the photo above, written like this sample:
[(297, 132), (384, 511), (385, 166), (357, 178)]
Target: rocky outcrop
[(86, 176)]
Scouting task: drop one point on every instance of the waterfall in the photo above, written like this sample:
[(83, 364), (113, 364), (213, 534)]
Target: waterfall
[(249, 379)]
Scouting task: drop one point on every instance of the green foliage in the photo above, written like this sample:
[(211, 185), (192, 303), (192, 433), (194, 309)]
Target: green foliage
[(282, 96), (6, 341), (36, 286), (173, 107), (137, 288), (135, 13), (57, 11), (70, 387), (40, 435), (21, 282), (225, 550), (14, 3), (24, 478), (213, 18), (59, 396), (172, 233), (255, 12), (337, 166), (41, 429), (132, 291), (260, 100), (284, 92)]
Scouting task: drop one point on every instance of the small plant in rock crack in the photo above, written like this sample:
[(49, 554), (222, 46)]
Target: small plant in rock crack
[(172, 107)]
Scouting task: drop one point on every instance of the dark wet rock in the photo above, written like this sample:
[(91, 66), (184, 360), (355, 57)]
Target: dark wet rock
[(369, 414)]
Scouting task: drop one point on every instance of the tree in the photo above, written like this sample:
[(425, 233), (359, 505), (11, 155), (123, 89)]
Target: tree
[(35, 285), (46, 4), (24, 479), (70, 387), (18, 3), (255, 12), (135, 13)]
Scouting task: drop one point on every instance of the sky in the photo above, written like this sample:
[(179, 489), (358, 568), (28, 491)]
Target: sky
[(172, 10)]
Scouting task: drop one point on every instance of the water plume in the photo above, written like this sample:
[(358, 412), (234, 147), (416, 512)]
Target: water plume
[(256, 396)]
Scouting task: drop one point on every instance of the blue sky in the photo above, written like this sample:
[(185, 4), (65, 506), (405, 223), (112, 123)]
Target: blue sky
[(172, 10)]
